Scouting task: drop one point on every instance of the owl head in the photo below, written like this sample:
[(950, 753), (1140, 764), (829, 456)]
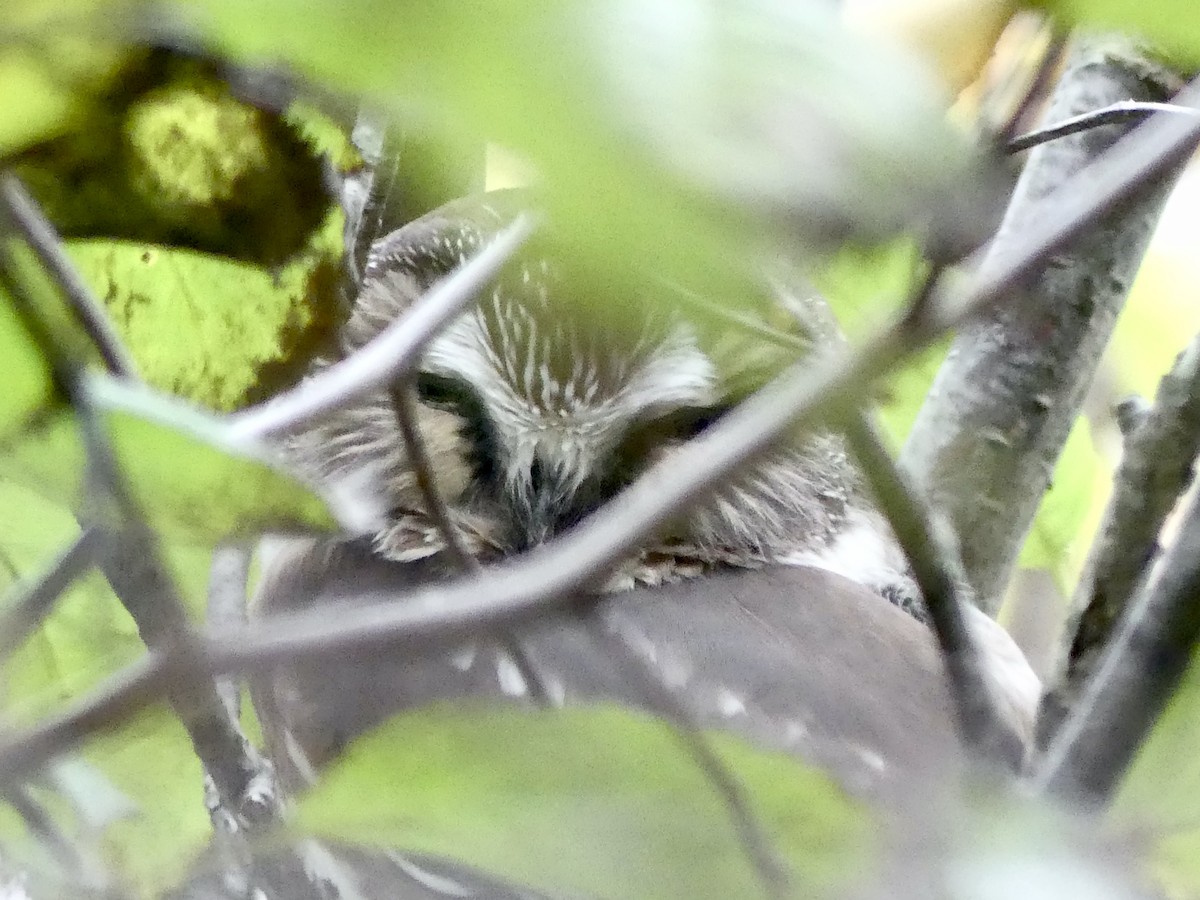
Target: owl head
[(549, 395)]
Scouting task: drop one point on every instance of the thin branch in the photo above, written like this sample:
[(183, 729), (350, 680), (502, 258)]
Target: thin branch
[(28, 604), (134, 688), (132, 564), (392, 353), (1136, 677), (1156, 468), (529, 586), (938, 572), (439, 512), (27, 220), (1117, 113), (646, 681)]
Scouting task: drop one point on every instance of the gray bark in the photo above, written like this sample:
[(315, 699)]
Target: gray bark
[(987, 437)]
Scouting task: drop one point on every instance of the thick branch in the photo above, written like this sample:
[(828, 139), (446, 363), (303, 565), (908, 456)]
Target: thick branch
[(999, 412)]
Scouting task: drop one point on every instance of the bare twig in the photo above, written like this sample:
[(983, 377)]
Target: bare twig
[(391, 354), (987, 436), (28, 604), (646, 681), (27, 220), (439, 512), (1116, 113), (131, 562), (1155, 469), (938, 573), (1136, 676)]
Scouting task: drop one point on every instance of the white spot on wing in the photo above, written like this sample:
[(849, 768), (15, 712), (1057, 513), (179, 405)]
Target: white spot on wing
[(511, 681)]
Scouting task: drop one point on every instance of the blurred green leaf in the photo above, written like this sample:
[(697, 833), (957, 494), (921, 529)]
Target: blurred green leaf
[(667, 133), (599, 801), (27, 385), (192, 482), (200, 326), (53, 64), (1170, 24)]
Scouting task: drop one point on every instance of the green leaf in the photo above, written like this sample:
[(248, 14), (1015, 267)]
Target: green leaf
[(52, 66), (666, 134), (1169, 24), (205, 327), (193, 482), (27, 385), (596, 801)]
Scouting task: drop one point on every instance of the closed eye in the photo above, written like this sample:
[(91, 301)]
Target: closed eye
[(443, 392), (652, 432)]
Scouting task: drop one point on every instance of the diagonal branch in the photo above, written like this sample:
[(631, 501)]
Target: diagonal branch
[(1114, 114), (641, 673), (28, 220), (32, 602), (938, 573)]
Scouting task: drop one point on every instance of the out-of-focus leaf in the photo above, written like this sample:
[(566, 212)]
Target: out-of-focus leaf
[(1159, 799), (599, 802), (53, 63), (1170, 24), (151, 760), (191, 481), (27, 384), (204, 327), (87, 636), (667, 133)]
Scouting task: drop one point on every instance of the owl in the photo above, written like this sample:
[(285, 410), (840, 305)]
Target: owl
[(536, 405)]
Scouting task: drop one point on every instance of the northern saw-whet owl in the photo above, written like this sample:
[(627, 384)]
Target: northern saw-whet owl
[(536, 405)]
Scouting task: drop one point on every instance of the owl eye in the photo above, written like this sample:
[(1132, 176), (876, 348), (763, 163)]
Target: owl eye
[(685, 422), (443, 392)]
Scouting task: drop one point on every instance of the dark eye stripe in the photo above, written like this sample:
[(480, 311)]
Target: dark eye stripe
[(444, 392)]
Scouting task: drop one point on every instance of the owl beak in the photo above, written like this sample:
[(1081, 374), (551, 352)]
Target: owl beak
[(553, 502)]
